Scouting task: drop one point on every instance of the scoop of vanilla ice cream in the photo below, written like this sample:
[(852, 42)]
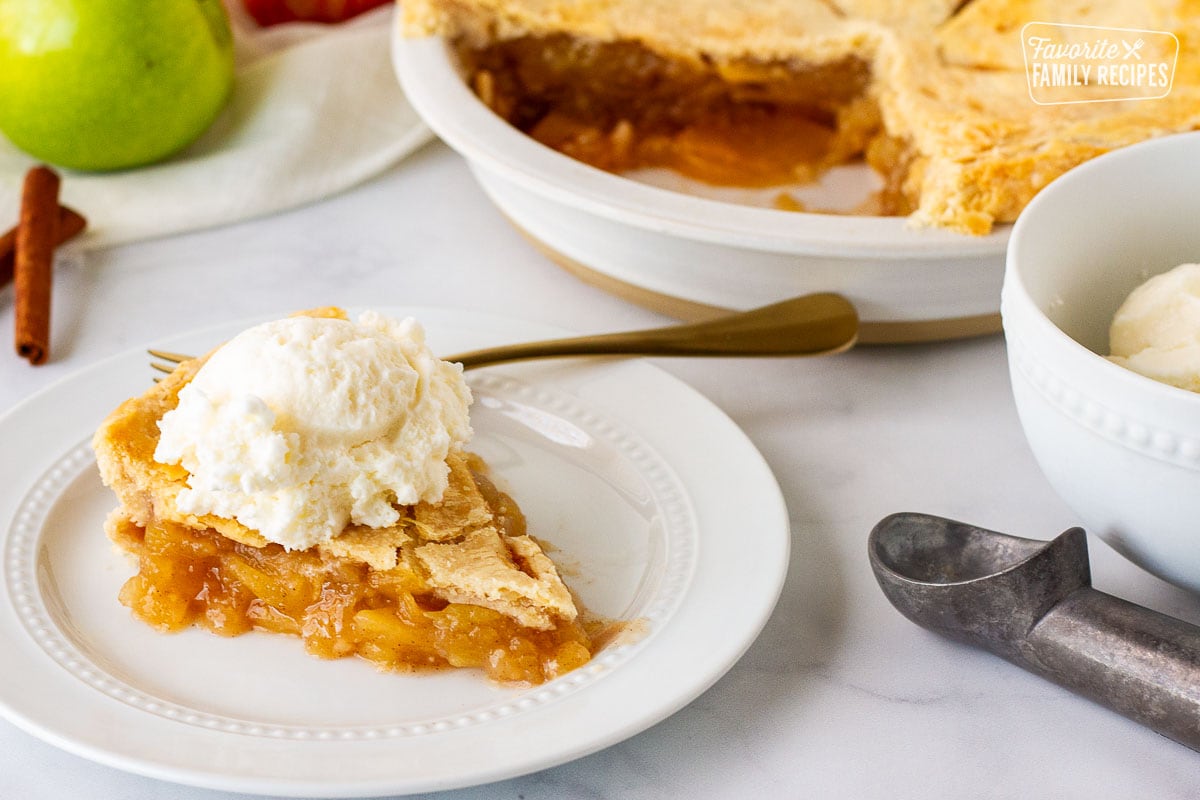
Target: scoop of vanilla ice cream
[(297, 427), (1156, 331)]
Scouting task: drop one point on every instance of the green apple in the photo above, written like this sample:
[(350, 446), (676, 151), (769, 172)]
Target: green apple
[(111, 84)]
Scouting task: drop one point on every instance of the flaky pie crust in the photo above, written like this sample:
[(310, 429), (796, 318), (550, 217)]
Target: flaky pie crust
[(968, 146)]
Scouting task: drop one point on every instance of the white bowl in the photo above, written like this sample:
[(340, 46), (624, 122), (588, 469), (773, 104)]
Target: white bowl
[(1121, 449), (688, 255)]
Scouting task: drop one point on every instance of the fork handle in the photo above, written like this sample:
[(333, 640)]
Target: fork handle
[(810, 325)]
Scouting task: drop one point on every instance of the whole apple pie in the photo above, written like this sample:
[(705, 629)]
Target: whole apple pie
[(932, 94), (308, 478)]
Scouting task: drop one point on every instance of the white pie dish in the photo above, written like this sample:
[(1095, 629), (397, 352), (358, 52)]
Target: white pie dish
[(688, 255), (1121, 449)]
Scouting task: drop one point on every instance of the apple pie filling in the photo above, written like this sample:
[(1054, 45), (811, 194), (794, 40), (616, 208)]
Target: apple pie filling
[(620, 107), (339, 606)]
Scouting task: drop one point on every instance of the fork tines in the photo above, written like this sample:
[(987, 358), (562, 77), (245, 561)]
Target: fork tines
[(174, 360)]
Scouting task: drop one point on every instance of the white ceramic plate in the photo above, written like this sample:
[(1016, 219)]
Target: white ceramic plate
[(687, 251), (658, 506)]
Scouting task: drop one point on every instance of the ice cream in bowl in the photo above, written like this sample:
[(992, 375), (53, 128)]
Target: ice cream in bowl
[(1101, 314), (1156, 331)]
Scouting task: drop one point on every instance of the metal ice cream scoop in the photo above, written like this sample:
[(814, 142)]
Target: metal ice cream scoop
[(1032, 602)]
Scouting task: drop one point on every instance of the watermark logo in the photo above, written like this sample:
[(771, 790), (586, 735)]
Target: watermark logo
[(1089, 64)]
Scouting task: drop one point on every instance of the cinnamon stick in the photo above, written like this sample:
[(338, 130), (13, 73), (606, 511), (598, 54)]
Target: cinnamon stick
[(70, 224), (34, 260)]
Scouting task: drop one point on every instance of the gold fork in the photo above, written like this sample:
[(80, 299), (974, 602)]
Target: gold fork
[(815, 324)]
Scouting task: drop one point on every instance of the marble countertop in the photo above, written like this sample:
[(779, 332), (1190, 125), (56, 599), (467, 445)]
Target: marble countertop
[(840, 696)]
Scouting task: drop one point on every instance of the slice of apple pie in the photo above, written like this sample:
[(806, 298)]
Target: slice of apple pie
[(932, 94), (445, 577)]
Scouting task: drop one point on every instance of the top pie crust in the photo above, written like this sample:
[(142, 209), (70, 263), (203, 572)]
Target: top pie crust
[(948, 76)]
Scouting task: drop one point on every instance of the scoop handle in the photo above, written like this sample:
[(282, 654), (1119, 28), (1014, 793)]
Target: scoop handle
[(1138, 662)]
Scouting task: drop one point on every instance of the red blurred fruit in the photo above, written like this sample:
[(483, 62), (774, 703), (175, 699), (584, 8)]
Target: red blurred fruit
[(272, 12)]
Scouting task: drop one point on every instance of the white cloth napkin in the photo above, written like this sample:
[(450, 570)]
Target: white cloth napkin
[(315, 110)]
